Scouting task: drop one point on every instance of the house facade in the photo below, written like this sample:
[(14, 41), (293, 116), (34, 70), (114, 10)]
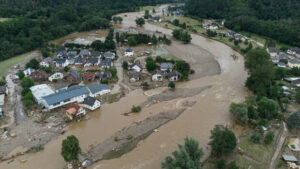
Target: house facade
[(173, 76), (109, 55), (60, 63), (157, 76), (98, 89), (91, 103), (129, 52), (47, 62), (56, 76)]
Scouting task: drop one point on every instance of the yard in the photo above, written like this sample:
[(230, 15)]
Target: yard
[(4, 19), (6, 64)]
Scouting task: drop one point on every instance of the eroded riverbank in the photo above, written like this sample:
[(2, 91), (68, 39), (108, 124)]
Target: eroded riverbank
[(211, 108)]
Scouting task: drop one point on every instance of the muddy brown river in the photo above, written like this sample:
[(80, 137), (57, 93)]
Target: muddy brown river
[(214, 67)]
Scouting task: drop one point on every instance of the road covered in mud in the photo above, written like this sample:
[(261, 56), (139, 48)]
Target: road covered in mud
[(218, 81)]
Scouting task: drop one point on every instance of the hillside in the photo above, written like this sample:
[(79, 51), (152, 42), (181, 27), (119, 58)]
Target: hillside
[(276, 19)]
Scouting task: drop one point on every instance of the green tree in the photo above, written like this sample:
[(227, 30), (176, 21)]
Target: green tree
[(136, 109), (132, 41), (21, 74), (267, 108), (297, 97), (66, 69), (255, 138), (293, 121), (33, 63), (146, 15), (176, 22), (140, 21), (177, 33), (118, 39), (27, 82), (223, 141), (280, 73), (187, 157), (45, 52), (232, 165), (70, 149), (220, 163), (269, 137), (115, 19), (125, 65), (171, 85), (154, 39), (150, 64), (240, 112)]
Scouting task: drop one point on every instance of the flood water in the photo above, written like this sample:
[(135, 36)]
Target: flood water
[(207, 57)]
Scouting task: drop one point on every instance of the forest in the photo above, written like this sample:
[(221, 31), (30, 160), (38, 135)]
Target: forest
[(276, 19), (33, 23)]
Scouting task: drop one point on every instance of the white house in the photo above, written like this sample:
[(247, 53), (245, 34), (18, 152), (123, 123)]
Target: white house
[(272, 51), (40, 91), (93, 61), (46, 62), (157, 76), (27, 72), (173, 76), (166, 66), (134, 68), (71, 95), (129, 52), (109, 55), (91, 103), (2, 99), (294, 51), (98, 89), (56, 76), (61, 63)]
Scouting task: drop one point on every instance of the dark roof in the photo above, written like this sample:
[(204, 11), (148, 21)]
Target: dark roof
[(129, 50), (38, 75), (282, 56), (72, 54), (2, 89), (89, 101), (96, 87), (109, 55), (173, 73), (88, 75), (295, 49), (84, 52), (106, 62), (60, 61), (74, 74), (79, 60), (58, 86), (92, 60), (136, 76), (294, 61), (272, 50), (48, 60), (95, 54), (62, 53), (166, 65), (65, 95)]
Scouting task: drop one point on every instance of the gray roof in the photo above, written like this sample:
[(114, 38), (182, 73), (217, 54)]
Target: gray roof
[(289, 158), (129, 50), (62, 53), (96, 87), (48, 60), (295, 49), (2, 89), (92, 60), (79, 60), (60, 61), (272, 50), (58, 86), (173, 73), (105, 74), (109, 55), (294, 61), (106, 62), (281, 64), (89, 101), (95, 54), (72, 92), (72, 54), (84, 52), (74, 74), (166, 65), (282, 56)]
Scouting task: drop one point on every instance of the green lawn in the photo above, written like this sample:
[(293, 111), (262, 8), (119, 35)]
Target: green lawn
[(4, 65), (143, 8)]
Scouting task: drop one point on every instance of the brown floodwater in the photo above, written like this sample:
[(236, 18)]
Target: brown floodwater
[(207, 57)]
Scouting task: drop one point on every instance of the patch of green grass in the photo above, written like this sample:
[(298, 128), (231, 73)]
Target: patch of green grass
[(243, 162), (35, 149), (4, 65), (143, 8)]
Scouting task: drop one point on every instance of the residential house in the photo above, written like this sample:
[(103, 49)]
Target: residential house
[(62, 54), (105, 75), (134, 77), (39, 76), (97, 89), (47, 62), (134, 68), (294, 51), (129, 52), (293, 80), (4, 90), (92, 61), (56, 76), (60, 63), (91, 103), (235, 36), (95, 54), (75, 110), (79, 61), (2, 99), (27, 72), (88, 76), (72, 76), (40, 91), (173, 76), (272, 51), (84, 53), (109, 55), (59, 87), (289, 158), (72, 54), (106, 63), (209, 25), (294, 63), (158, 76), (166, 66), (281, 64), (71, 95)]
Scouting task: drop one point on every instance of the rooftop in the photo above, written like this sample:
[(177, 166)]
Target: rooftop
[(40, 91), (89, 101), (96, 87), (65, 95)]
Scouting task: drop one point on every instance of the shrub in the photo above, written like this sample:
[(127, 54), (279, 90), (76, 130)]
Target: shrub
[(104, 81), (136, 109), (269, 138), (220, 163), (171, 85), (255, 138)]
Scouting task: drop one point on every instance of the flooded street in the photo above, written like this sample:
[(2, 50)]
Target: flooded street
[(213, 67)]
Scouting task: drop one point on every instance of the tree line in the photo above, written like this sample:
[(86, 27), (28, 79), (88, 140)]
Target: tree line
[(34, 23), (276, 19)]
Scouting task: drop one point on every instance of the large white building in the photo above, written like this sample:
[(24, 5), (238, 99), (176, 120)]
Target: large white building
[(56, 76), (40, 91), (98, 89)]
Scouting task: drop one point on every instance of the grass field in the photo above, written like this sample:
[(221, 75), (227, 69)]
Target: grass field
[(10, 62), (144, 8)]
